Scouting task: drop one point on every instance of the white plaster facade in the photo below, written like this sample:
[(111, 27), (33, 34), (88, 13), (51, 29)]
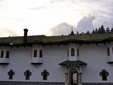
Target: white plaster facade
[(95, 55)]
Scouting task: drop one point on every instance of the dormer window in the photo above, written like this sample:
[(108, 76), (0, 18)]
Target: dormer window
[(35, 53), (72, 52)]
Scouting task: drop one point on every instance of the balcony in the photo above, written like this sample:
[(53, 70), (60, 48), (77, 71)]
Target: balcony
[(37, 61), (4, 61)]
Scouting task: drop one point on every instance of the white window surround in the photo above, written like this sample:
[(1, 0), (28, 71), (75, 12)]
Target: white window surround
[(37, 59), (72, 55), (4, 59), (110, 56)]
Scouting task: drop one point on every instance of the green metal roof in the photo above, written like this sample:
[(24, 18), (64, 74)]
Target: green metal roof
[(72, 63), (42, 39)]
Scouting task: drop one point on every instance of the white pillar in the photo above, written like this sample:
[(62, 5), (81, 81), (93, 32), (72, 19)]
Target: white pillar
[(66, 76), (111, 54), (80, 77)]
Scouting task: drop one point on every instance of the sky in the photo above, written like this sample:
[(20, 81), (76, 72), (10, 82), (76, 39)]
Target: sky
[(53, 17)]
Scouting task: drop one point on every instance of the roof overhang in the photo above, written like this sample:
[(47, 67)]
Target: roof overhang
[(72, 63)]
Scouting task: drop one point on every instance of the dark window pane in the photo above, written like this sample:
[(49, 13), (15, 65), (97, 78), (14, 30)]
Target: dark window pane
[(72, 52), (40, 54), (2, 54), (35, 53), (27, 74), (108, 52), (7, 54), (11, 73)]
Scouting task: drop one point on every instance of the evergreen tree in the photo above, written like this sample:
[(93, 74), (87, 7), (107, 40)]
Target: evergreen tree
[(102, 30), (112, 30), (107, 30)]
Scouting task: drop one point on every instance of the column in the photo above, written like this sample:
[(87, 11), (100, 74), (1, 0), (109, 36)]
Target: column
[(66, 78), (80, 77)]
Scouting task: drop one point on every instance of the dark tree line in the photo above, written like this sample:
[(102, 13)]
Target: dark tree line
[(101, 30)]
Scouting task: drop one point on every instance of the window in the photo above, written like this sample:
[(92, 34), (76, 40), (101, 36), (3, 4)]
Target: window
[(2, 54), (40, 55), (7, 54), (112, 50), (35, 53), (77, 52), (67, 52), (27, 74), (45, 74), (104, 74), (108, 52), (72, 52), (11, 73)]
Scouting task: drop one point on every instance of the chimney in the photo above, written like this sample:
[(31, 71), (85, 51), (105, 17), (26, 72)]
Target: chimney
[(25, 35)]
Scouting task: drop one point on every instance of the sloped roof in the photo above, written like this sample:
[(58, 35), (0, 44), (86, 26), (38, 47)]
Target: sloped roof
[(42, 39), (72, 63)]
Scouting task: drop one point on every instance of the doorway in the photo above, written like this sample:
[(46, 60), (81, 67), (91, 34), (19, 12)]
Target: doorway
[(73, 76)]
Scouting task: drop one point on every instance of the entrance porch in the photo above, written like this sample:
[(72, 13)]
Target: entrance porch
[(73, 73)]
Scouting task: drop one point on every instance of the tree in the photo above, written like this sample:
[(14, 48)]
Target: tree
[(107, 30), (112, 30)]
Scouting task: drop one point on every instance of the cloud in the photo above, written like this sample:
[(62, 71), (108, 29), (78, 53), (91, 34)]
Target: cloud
[(86, 24), (37, 8), (62, 28), (6, 33), (56, 1)]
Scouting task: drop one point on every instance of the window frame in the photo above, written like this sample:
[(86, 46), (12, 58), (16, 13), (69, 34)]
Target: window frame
[(104, 74), (27, 74), (7, 54), (2, 54), (41, 54), (72, 52), (35, 53), (11, 73)]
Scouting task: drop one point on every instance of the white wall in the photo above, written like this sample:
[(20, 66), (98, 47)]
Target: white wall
[(96, 58), (20, 60)]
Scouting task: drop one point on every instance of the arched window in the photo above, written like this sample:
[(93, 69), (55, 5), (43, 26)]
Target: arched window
[(45, 74), (35, 53), (11, 73), (7, 54), (27, 74), (108, 52), (40, 55), (104, 74), (72, 52), (2, 54)]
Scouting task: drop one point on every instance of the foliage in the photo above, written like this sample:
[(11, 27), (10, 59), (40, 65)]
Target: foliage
[(100, 30)]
